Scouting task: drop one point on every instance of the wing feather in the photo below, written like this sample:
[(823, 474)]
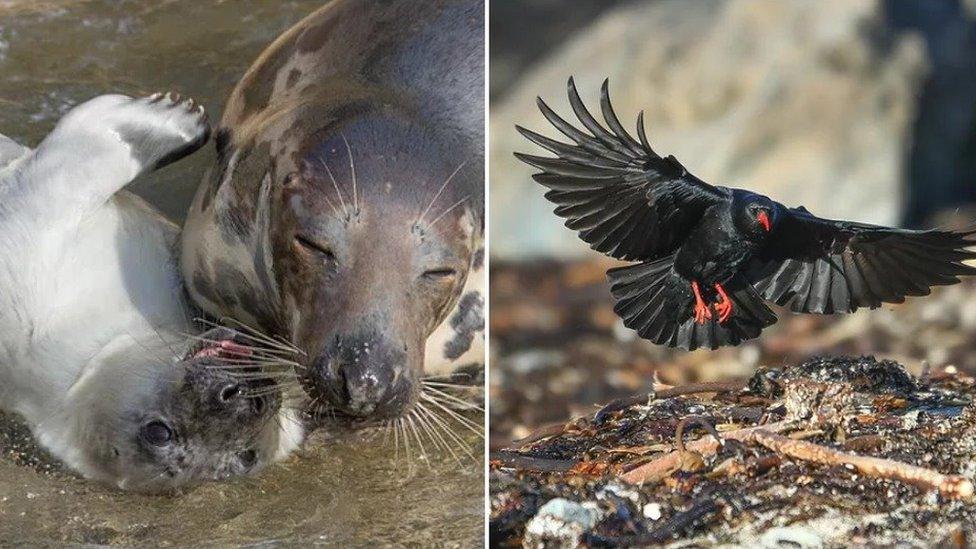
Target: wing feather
[(615, 191), (815, 265)]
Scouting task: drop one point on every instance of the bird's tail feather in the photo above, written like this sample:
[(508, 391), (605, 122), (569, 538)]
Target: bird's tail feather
[(658, 304)]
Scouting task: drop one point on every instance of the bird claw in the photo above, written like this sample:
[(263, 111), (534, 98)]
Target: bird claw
[(724, 310), (725, 306), (703, 312)]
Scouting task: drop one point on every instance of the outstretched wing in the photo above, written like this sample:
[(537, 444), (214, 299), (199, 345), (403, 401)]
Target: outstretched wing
[(814, 265), (622, 198)]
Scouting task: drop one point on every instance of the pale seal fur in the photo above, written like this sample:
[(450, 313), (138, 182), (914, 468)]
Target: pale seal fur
[(345, 209), (93, 314)]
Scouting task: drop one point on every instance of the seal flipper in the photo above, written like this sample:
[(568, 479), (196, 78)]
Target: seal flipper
[(170, 128), (100, 146), (657, 303)]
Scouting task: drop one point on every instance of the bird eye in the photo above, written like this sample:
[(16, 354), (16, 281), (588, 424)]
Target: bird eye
[(315, 248), (439, 274), (157, 433)]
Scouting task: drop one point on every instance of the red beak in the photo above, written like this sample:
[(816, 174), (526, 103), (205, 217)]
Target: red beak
[(763, 219)]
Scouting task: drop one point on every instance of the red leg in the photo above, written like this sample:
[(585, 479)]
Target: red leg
[(702, 311), (724, 306)]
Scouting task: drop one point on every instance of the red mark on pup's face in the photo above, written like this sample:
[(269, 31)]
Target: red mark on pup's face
[(223, 349), (763, 219)]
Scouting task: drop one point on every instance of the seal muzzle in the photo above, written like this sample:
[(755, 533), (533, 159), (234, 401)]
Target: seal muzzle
[(364, 377)]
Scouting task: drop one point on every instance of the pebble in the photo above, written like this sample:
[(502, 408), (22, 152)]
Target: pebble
[(652, 511), (560, 523)]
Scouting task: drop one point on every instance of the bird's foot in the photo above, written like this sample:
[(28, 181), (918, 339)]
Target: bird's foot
[(725, 306), (702, 311)]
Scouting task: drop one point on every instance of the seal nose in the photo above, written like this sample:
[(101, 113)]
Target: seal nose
[(362, 389), (365, 381)]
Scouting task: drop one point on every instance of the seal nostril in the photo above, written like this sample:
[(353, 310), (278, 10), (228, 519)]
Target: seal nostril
[(248, 458), (229, 393), (258, 405), (343, 384)]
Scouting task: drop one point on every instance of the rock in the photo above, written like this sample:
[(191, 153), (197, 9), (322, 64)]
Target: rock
[(560, 523), (809, 102)]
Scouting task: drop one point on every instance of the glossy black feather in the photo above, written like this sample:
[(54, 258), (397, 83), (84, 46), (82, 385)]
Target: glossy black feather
[(646, 203), (657, 303), (815, 265)]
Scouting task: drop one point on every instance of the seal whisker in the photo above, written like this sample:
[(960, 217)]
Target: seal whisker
[(467, 423), (432, 433), (266, 343), (446, 425), (446, 428), (155, 355), (447, 211), (164, 342), (258, 335), (450, 376), (463, 404), (327, 199), (352, 168), (423, 415), (407, 449), (270, 377), (335, 185), (240, 363), (439, 191), (265, 391), (445, 385), (262, 351), (416, 435), (396, 442), (454, 405), (406, 444), (435, 435)]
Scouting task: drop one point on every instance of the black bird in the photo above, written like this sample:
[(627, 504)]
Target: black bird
[(710, 257)]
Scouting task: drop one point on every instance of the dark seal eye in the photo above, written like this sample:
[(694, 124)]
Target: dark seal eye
[(439, 274), (315, 248), (157, 433), (247, 458)]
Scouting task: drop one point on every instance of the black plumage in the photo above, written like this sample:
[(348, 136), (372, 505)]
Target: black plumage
[(710, 257)]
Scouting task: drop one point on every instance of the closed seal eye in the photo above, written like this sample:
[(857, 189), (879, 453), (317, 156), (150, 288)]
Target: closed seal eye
[(439, 274), (315, 248)]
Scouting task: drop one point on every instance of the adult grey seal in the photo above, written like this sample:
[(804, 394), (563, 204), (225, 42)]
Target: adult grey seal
[(92, 347), (345, 209)]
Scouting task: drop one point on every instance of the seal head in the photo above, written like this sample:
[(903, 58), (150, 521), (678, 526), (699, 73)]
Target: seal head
[(148, 428), (346, 206)]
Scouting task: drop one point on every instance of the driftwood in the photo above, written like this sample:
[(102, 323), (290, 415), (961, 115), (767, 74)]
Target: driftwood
[(663, 466), (951, 486)]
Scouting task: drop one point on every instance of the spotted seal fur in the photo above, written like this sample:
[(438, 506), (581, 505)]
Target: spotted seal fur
[(344, 212)]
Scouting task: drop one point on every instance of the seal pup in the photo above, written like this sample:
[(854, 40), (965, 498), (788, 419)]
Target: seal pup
[(94, 314), (345, 209)]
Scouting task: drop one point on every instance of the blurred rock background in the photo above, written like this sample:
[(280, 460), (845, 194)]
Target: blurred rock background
[(856, 109), (861, 109)]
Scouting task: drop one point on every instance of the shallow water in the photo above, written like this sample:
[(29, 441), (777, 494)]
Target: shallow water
[(345, 490), (56, 54)]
